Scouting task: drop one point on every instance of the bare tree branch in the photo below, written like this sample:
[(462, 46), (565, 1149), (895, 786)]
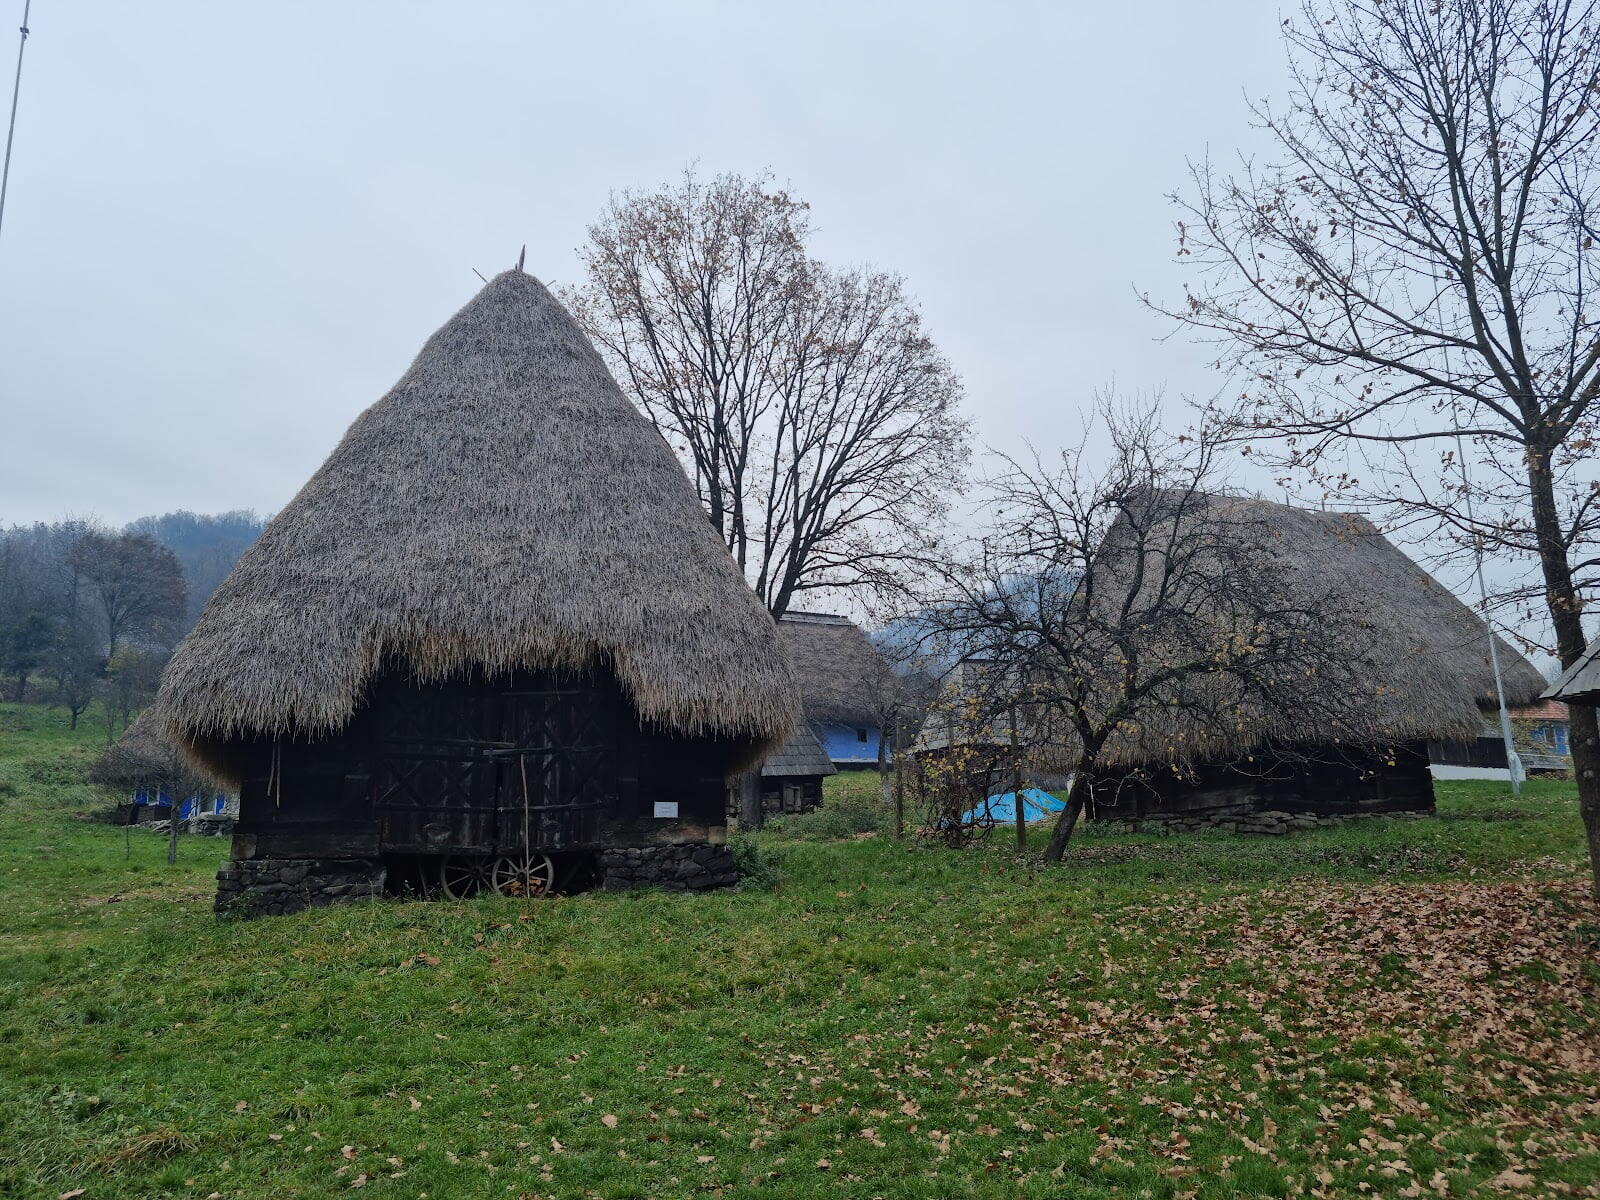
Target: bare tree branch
[(819, 422)]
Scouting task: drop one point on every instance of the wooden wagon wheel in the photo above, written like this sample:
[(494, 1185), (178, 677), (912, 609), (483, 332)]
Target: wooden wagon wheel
[(524, 873), (463, 875)]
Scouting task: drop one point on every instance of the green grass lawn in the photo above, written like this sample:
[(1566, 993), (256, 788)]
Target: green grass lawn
[(1391, 1008)]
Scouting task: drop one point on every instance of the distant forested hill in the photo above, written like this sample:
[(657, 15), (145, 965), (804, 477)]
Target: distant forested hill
[(207, 545)]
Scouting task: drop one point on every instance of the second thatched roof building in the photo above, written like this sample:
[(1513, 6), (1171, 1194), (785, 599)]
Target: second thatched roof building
[(847, 688), (1419, 672)]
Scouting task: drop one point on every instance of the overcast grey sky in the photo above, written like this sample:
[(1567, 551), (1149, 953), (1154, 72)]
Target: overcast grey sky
[(232, 225)]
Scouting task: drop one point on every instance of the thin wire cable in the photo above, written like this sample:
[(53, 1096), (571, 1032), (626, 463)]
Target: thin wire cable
[(11, 130)]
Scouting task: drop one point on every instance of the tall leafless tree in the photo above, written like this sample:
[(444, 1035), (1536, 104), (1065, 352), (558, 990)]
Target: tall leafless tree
[(1410, 280), (137, 584), (1110, 588), (818, 420)]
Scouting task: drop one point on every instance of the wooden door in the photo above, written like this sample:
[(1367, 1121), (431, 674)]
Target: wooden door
[(437, 754), (557, 775)]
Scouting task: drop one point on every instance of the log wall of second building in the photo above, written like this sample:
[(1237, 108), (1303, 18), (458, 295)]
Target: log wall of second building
[(1295, 781)]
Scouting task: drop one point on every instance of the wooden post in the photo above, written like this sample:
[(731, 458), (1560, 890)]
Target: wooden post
[(1016, 784), (172, 829), (751, 816)]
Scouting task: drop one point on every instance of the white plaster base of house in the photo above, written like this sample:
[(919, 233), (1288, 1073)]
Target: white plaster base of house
[(1446, 771)]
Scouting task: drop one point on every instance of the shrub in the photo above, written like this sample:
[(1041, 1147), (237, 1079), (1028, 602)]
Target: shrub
[(842, 815), (760, 867)]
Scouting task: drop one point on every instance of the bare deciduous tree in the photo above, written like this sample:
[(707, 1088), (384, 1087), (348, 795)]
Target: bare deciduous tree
[(137, 584), (1414, 272), (817, 419), (1112, 588), (131, 677)]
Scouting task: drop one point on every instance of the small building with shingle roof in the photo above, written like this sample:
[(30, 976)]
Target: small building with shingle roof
[(791, 778), (1579, 683)]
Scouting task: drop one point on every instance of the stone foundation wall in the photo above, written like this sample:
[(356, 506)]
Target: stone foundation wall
[(259, 887), (688, 867), (1245, 821)]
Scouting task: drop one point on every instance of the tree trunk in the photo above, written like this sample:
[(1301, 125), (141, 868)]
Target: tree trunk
[(172, 832), (885, 738), (22, 686), (1584, 737), (1566, 615), (1068, 819), (751, 816)]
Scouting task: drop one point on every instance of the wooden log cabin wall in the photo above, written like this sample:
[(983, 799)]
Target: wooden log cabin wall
[(444, 788), (1267, 793)]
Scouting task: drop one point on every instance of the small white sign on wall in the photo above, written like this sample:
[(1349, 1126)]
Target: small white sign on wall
[(667, 808)]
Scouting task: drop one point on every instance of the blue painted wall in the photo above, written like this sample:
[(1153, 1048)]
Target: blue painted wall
[(163, 799), (1551, 734), (856, 745)]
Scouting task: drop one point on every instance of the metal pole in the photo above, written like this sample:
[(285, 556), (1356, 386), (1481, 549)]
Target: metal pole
[(1513, 763), (11, 130)]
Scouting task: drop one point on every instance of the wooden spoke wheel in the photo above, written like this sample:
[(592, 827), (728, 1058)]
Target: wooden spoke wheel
[(463, 875), (524, 873)]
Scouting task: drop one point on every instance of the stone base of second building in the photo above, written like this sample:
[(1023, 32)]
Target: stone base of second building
[(1268, 822)]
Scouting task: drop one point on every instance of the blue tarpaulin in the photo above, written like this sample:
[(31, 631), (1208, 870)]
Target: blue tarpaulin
[(1002, 809)]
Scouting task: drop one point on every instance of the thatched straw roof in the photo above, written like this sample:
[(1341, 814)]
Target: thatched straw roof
[(144, 757), (971, 708), (504, 506), (842, 676), (1418, 658)]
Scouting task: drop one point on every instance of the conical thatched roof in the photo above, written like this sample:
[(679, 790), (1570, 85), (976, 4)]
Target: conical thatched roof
[(503, 506), (1418, 658), (842, 676)]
